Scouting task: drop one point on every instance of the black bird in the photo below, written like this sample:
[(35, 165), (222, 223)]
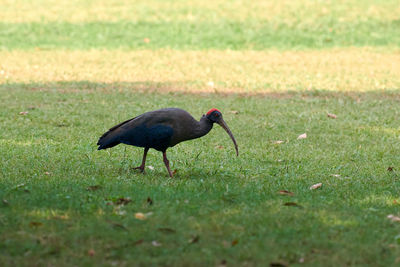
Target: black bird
[(161, 129)]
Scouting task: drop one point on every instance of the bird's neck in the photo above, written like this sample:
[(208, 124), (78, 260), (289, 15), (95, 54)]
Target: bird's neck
[(204, 126)]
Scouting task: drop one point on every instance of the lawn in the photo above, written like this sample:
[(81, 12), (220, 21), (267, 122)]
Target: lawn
[(70, 70)]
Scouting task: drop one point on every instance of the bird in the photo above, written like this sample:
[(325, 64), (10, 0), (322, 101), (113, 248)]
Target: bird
[(161, 129)]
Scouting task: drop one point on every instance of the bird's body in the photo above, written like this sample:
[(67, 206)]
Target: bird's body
[(160, 129)]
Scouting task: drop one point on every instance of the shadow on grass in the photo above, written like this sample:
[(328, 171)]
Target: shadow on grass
[(192, 88)]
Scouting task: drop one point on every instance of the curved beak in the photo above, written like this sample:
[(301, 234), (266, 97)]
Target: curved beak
[(226, 128)]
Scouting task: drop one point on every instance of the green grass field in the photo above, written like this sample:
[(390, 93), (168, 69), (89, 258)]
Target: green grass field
[(69, 70)]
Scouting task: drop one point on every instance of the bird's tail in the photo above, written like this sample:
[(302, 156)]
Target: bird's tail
[(107, 141), (111, 137)]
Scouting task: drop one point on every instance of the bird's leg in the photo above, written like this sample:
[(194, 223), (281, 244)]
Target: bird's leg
[(141, 167), (166, 162)]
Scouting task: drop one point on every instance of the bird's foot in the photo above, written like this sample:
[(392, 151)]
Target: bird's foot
[(140, 168)]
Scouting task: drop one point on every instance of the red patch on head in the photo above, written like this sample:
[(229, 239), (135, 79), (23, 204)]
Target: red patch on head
[(212, 110)]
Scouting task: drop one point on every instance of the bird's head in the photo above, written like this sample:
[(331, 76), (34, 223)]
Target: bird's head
[(215, 116)]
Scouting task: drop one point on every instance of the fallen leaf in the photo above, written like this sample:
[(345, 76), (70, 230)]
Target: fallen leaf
[(331, 115), (150, 167), (123, 201), (286, 193), (138, 242), (47, 173), (194, 239), (146, 40), (390, 169), (302, 136), (335, 175), (60, 217), (174, 172), (279, 142), (395, 202), (301, 260), (234, 112), (219, 147), (223, 263), (35, 224), (93, 187), (292, 204), (315, 186), (393, 218), (5, 202), (235, 242), (23, 113), (155, 243), (149, 201), (91, 252), (140, 216), (166, 230), (278, 264)]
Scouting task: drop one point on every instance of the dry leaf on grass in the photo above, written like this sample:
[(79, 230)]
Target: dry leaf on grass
[(234, 112), (150, 168), (146, 40), (140, 216), (93, 187), (223, 263), (332, 116), (23, 113), (286, 193), (278, 264), (194, 239), (302, 136), (235, 242), (390, 169), (292, 204), (5, 202), (123, 201), (35, 224), (278, 142), (315, 186), (138, 242), (155, 243), (393, 218), (91, 252), (166, 230)]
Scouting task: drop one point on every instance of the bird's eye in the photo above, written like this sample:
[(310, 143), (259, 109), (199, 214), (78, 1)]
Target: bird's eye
[(216, 115)]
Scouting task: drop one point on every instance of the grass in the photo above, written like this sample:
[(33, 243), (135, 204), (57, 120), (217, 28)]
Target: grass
[(190, 25), (342, 70), (197, 36), (49, 160), (274, 69)]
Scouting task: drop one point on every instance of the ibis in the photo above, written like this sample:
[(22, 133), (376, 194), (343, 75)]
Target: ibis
[(161, 129)]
